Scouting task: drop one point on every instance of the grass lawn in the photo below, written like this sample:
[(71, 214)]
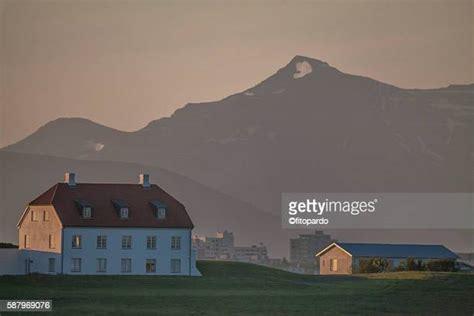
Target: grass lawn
[(228, 288)]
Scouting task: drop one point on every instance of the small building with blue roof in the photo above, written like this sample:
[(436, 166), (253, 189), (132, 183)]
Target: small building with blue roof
[(345, 258)]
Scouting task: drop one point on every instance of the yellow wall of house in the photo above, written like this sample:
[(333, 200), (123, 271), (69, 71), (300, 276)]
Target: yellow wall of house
[(344, 262), (39, 231)]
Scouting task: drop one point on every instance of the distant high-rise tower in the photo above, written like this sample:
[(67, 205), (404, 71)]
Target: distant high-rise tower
[(304, 248)]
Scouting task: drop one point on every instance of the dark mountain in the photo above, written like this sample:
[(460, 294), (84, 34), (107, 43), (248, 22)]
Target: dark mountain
[(307, 128)]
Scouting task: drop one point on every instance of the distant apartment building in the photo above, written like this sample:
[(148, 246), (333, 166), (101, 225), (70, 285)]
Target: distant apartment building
[(89, 228), (303, 248), (222, 247), (252, 253)]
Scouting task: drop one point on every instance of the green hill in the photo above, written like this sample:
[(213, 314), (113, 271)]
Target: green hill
[(229, 288)]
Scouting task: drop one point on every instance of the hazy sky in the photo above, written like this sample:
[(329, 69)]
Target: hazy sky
[(123, 64)]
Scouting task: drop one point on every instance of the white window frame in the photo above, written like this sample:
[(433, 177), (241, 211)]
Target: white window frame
[(101, 242), (124, 267), (124, 213), (76, 265), (175, 265), (150, 242), (87, 212), (175, 242), (127, 242), (161, 213), (76, 242), (101, 265), (150, 263)]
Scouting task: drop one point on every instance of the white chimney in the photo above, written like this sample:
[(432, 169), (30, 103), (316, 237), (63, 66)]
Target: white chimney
[(144, 180), (70, 179)]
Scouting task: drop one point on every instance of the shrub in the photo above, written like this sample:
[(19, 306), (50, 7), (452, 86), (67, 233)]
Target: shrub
[(441, 265), (373, 265), (401, 266), (376, 265), (413, 265)]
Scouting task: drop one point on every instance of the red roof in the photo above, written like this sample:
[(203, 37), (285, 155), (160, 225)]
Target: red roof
[(141, 213)]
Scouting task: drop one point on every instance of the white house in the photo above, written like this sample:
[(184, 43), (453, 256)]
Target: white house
[(90, 228)]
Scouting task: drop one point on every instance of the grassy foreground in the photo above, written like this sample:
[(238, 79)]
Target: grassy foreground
[(237, 288)]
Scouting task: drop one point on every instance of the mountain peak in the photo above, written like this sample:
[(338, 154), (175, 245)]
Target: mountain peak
[(301, 58), (300, 66)]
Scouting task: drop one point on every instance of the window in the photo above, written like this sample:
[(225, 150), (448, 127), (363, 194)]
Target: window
[(150, 265), (333, 264), (175, 265), (84, 207), (161, 213), (124, 212), (52, 242), (159, 209), (76, 265), (26, 241), (87, 212), (175, 242), (126, 242), (34, 216), (150, 242), (46, 216), (126, 265), (51, 265), (101, 265), (102, 242), (76, 241)]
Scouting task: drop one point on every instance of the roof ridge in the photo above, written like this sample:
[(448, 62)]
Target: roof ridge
[(54, 193), (45, 192), (104, 183), (387, 244), (397, 250)]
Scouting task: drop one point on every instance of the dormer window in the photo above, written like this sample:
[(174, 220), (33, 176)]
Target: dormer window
[(85, 208), (161, 213), (159, 209), (87, 212), (122, 208), (124, 212)]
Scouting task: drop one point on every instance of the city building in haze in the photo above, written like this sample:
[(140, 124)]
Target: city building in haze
[(222, 247), (303, 250)]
